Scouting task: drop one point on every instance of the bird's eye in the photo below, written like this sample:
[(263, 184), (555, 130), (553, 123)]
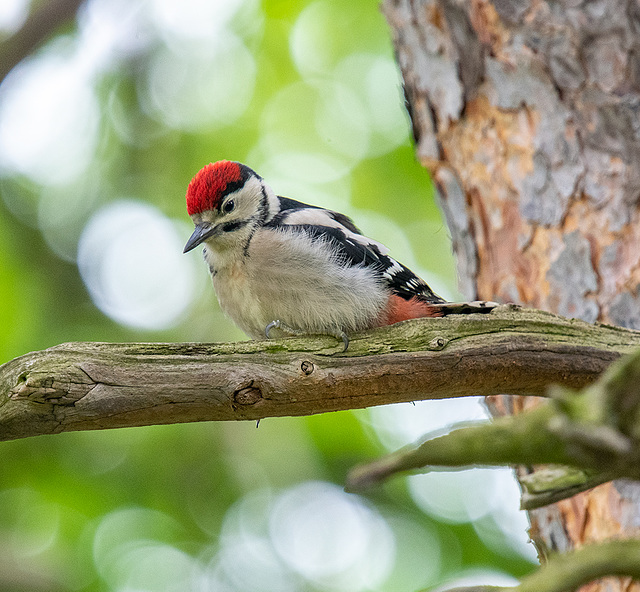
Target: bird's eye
[(228, 206)]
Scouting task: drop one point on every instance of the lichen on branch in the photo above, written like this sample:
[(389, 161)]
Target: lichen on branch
[(85, 386), (594, 432)]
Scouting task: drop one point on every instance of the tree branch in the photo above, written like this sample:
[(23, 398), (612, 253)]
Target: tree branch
[(568, 571), (84, 386), (595, 431), (40, 25)]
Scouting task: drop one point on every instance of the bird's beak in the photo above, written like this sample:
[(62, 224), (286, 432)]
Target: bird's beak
[(201, 233)]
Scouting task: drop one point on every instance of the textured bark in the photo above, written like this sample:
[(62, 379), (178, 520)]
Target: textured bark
[(85, 386), (527, 114)]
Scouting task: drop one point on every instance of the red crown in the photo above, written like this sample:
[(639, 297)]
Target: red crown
[(210, 184)]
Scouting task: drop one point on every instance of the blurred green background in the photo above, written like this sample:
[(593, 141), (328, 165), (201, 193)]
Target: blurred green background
[(100, 132)]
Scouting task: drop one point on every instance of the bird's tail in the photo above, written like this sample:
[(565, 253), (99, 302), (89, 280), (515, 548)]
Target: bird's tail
[(448, 308)]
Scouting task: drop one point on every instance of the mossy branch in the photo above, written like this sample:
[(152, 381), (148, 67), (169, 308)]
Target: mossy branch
[(569, 571), (596, 431), (84, 386)]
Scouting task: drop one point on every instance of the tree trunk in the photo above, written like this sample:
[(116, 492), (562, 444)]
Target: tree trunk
[(527, 114)]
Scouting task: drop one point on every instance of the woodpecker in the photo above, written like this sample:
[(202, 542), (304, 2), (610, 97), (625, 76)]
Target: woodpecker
[(280, 264)]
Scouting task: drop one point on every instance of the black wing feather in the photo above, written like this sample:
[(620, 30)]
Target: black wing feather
[(287, 205), (399, 278)]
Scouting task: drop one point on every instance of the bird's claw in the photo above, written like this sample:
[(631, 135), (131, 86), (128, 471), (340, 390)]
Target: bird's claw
[(279, 325), (270, 326), (345, 339)]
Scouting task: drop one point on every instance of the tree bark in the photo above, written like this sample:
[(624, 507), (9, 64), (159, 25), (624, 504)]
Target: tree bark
[(526, 113)]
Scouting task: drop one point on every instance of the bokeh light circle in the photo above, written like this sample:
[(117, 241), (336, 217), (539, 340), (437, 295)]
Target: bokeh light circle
[(332, 538), (199, 85), (130, 258), (53, 93)]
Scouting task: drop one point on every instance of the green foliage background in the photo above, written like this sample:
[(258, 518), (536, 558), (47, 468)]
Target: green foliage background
[(191, 507)]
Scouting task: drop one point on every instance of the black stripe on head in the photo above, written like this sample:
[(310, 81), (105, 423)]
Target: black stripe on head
[(232, 186), (231, 226), (263, 212)]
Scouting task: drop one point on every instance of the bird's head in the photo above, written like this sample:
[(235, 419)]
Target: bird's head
[(226, 200)]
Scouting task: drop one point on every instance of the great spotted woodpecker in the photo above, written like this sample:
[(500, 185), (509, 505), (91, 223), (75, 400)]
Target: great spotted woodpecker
[(277, 263)]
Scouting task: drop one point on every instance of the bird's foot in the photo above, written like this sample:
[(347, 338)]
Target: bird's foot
[(341, 335), (345, 339), (280, 325)]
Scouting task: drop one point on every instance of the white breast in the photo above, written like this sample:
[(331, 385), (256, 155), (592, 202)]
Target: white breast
[(289, 277), (302, 283)]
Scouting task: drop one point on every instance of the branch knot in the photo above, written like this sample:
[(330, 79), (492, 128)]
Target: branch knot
[(248, 395)]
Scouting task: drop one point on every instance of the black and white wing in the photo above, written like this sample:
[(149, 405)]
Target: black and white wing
[(353, 247)]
